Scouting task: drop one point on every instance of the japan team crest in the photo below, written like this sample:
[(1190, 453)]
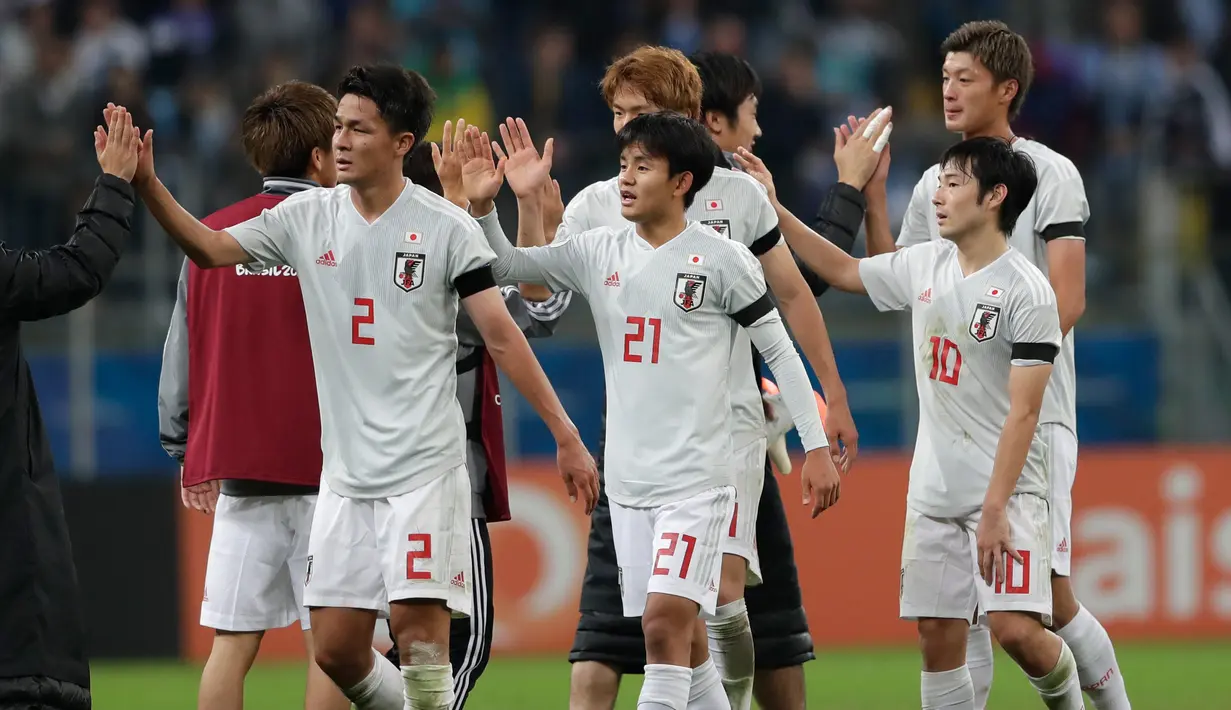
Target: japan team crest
[(408, 270), (689, 291), (722, 226), (983, 324)]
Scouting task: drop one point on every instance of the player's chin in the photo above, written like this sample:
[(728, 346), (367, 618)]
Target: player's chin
[(630, 212)]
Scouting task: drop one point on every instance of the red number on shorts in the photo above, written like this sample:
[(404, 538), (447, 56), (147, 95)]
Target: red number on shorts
[(668, 550), (941, 369), (359, 319), (1006, 586), (734, 520), (639, 337), (425, 553)]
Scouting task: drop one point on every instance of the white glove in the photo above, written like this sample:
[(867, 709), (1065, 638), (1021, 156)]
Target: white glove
[(776, 427)]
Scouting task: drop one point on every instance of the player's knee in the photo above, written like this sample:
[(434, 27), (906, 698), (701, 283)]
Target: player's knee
[(342, 663), (666, 632), (235, 651), (593, 686), (942, 642), (1063, 601), (1016, 632)]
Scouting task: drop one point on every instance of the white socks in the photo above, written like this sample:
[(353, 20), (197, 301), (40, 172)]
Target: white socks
[(979, 659), (665, 688), (731, 649), (381, 689), (952, 690), (707, 692), (1059, 689), (428, 687), (1097, 669)]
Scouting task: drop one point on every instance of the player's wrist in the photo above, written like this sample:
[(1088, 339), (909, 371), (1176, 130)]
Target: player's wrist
[(482, 208)]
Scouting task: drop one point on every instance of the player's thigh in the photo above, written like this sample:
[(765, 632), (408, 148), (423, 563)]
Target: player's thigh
[(299, 511), (424, 541), (1062, 466), (937, 580), (1026, 586), (246, 587), (343, 567), (688, 539), (741, 534), (632, 531)]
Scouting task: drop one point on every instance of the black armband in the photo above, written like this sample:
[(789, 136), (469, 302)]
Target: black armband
[(1063, 229), (841, 215), (754, 311), (1043, 352), (765, 242), (474, 281)]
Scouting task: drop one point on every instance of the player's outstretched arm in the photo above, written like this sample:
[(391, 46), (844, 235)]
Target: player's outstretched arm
[(508, 347)]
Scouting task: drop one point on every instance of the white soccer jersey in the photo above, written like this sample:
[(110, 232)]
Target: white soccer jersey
[(666, 321), (381, 301), (737, 207), (1059, 210), (967, 331)]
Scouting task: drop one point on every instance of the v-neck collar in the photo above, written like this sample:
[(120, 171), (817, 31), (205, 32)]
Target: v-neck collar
[(408, 188), (645, 245), (957, 264)]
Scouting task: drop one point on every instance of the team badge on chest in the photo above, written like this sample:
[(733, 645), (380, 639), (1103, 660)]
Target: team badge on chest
[(689, 291), (984, 322), (408, 268), (722, 226)]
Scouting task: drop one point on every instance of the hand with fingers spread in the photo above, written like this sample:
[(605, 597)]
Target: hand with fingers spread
[(994, 538), (820, 481), (447, 158), (145, 152), (524, 168), (481, 176), (755, 167), (117, 146), (857, 152)]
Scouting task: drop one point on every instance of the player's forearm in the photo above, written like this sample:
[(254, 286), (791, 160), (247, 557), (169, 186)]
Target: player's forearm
[(206, 247), (879, 234), (530, 234), (1011, 452), (512, 353), (771, 340), (808, 324), (512, 263), (836, 267)]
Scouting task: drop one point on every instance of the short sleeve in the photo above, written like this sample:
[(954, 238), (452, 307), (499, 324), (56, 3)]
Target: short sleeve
[(1061, 208), (887, 277), (745, 298), (764, 228), (577, 214), (916, 223), (1034, 325), (266, 237), (468, 252)]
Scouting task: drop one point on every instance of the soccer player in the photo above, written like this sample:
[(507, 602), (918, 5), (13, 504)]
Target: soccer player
[(478, 389), (985, 332), (382, 264), (607, 645), (255, 425), (986, 74), (666, 332)]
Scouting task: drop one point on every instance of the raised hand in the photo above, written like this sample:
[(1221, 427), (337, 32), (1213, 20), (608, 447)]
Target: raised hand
[(145, 154), (481, 176), (117, 147), (857, 152), (447, 158), (553, 209), (755, 167), (524, 168)]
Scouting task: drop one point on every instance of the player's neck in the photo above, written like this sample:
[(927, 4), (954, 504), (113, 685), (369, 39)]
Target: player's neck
[(658, 232), (997, 129), (372, 199), (977, 250)]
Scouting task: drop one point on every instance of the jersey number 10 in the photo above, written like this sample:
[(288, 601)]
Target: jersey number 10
[(945, 369)]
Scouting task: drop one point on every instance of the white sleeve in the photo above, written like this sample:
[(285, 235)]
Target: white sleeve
[(468, 251), (887, 278), (1061, 209), (1034, 325), (745, 296), (771, 340), (265, 237), (561, 265), (916, 223), (764, 228)]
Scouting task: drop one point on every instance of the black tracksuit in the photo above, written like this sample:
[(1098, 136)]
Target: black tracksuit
[(43, 663)]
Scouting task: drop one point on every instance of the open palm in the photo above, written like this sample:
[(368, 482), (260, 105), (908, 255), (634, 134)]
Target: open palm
[(525, 169), (481, 176)]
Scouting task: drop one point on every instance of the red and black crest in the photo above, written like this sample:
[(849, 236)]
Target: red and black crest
[(722, 226), (689, 291), (408, 268), (983, 324)]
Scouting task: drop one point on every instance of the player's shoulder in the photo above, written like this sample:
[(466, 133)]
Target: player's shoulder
[(444, 214), (704, 240), (733, 182), (1050, 165), (930, 251), (597, 193), (1028, 286), (928, 180)]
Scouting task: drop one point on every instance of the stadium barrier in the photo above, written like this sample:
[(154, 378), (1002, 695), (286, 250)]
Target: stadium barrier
[(1152, 554)]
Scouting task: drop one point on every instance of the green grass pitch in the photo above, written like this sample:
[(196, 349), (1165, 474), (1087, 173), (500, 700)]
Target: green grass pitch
[(1170, 676)]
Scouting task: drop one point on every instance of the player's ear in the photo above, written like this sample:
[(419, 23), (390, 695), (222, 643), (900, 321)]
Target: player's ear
[(714, 121), (683, 183), (405, 143), (1008, 90), (317, 162), (996, 197)]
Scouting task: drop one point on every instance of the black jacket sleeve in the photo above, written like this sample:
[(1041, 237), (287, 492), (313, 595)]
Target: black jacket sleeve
[(838, 220), (51, 282)]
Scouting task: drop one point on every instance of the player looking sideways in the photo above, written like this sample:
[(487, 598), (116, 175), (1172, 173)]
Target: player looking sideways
[(383, 264), (986, 73)]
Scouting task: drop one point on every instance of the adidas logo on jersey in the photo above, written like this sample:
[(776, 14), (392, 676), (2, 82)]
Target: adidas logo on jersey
[(326, 259), (459, 580), (613, 280), (1063, 546), (926, 296)]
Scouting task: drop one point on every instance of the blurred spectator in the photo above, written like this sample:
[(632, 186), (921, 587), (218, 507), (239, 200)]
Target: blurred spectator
[(795, 124), (459, 94), (106, 39), (183, 33), (860, 58)]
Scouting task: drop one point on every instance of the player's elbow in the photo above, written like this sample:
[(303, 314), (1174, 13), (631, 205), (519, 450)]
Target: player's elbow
[(1071, 311)]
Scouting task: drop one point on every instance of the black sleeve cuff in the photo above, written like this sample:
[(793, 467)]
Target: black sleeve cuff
[(765, 242), (1043, 352), (754, 311), (841, 215), (1063, 229), (474, 281)]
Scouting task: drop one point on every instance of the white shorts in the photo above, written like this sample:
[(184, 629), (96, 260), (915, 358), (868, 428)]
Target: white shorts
[(1062, 462), (940, 570), (673, 549), (258, 557), (741, 537), (365, 553)]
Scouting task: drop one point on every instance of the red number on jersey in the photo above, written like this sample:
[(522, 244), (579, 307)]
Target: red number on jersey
[(366, 318), (639, 337), (668, 550), (1006, 586), (424, 553), (944, 368)]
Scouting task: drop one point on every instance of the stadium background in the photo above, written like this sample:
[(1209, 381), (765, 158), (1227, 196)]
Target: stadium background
[(1134, 91)]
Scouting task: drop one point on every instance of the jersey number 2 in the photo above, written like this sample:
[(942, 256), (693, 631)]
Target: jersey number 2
[(367, 317), (639, 337), (945, 368)]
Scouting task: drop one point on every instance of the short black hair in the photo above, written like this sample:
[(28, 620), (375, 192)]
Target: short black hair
[(727, 81), (991, 162), (403, 97), (683, 142), (419, 166)]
